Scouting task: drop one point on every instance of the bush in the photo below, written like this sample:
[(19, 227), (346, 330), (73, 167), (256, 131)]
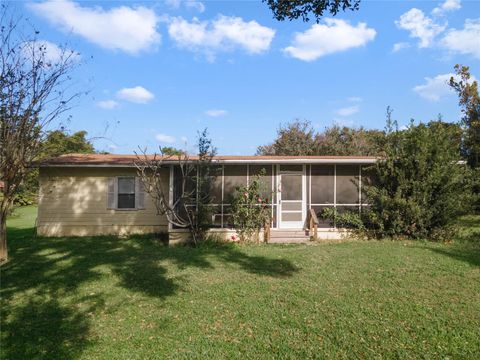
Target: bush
[(250, 211), (420, 187)]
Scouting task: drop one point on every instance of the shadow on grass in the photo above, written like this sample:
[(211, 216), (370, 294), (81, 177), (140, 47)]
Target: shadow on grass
[(467, 252), (41, 320)]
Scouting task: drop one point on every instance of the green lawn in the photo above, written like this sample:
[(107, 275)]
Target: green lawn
[(135, 299)]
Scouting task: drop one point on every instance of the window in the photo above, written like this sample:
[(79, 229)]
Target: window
[(126, 193)]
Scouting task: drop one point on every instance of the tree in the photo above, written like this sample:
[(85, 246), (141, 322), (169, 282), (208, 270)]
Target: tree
[(295, 138), (419, 188), (293, 9), (168, 150), (469, 101), (191, 206), (59, 142), (346, 141), (299, 138), (34, 93)]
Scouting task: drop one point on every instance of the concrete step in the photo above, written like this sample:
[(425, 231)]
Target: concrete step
[(289, 240), (287, 236), (288, 233)]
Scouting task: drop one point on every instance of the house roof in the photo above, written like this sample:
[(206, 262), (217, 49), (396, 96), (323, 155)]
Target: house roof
[(113, 160)]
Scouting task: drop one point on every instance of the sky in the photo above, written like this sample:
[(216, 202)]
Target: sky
[(156, 73)]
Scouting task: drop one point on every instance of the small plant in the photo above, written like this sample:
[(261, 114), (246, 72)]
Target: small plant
[(250, 210)]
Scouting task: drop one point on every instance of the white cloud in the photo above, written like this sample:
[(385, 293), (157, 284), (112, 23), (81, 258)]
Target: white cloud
[(52, 53), (348, 111), (420, 26), (216, 112), (195, 5), (137, 94), (447, 5), (129, 29), (465, 41), (184, 139), (355, 99), (400, 46), (222, 34), (324, 39), (165, 138), (437, 87), (108, 104)]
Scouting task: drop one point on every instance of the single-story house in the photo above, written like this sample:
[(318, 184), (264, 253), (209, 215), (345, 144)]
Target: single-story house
[(96, 194)]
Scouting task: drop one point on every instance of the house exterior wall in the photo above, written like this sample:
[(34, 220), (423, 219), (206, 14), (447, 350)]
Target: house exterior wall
[(73, 202)]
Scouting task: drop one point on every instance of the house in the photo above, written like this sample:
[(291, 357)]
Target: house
[(97, 194)]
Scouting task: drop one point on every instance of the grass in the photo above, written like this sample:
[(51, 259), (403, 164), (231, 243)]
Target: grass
[(133, 298)]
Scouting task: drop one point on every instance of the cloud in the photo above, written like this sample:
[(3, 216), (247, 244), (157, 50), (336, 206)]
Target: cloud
[(420, 26), (129, 29), (437, 87), (324, 39), (447, 5), (52, 53), (216, 112), (165, 138), (184, 139), (465, 41), (220, 35), (108, 104), (189, 4), (355, 99), (400, 46), (348, 111), (137, 94)]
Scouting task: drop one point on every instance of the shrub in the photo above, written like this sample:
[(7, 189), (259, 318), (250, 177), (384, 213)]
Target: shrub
[(420, 187), (250, 210)]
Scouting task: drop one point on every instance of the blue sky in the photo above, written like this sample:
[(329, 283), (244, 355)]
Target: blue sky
[(157, 72)]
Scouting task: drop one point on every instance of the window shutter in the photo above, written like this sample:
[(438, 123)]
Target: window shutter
[(111, 193), (139, 194)]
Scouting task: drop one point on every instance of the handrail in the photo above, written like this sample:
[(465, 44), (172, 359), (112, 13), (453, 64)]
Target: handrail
[(313, 224), (266, 233)]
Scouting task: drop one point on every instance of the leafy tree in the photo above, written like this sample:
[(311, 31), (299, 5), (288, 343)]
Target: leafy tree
[(34, 92), (419, 188), (59, 142), (345, 141), (299, 138), (168, 150), (295, 138), (293, 9), (469, 101)]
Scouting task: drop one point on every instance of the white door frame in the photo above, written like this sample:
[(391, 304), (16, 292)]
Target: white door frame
[(291, 224)]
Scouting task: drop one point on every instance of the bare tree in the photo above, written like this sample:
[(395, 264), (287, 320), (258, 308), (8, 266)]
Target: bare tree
[(189, 208), (35, 83)]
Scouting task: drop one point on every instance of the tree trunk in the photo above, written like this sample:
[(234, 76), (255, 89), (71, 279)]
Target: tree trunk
[(3, 237)]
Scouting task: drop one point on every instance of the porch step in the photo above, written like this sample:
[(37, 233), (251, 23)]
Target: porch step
[(289, 236)]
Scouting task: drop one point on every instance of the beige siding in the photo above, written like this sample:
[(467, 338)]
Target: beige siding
[(73, 201)]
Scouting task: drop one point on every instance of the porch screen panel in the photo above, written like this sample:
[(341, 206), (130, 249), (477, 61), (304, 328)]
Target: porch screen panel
[(323, 222), (234, 176), (265, 180), (347, 184), (216, 184), (323, 184)]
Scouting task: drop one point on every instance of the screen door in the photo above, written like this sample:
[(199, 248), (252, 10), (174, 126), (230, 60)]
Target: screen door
[(292, 196)]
